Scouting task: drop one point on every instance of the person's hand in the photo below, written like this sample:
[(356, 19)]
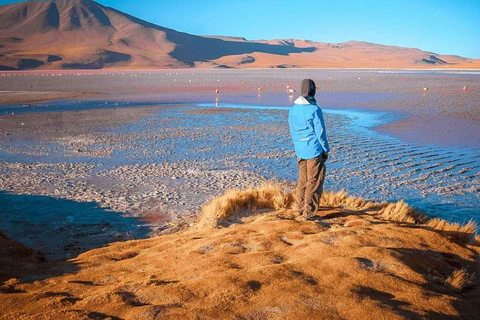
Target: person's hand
[(325, 156)]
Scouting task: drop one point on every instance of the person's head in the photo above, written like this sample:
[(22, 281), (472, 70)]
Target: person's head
[(308, 88)]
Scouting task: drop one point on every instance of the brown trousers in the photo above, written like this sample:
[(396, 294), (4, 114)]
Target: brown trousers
[(310, 185)]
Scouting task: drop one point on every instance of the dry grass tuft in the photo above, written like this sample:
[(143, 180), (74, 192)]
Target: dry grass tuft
[(465, 233), (398, 211), (459, 280), (235, 204), (341, 199), (402, 212)]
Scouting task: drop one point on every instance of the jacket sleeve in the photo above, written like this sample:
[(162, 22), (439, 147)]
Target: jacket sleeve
[(320, 130)]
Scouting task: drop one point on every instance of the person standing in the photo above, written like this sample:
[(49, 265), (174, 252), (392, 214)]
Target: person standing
[(307, 128)]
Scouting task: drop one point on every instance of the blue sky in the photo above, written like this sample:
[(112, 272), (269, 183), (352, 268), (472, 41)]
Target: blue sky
[(440, 26)]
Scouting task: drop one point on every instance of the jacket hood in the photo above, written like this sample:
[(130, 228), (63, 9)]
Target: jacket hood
[(305, 101)]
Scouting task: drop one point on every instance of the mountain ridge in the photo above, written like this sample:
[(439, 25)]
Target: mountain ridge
[(83, 34)]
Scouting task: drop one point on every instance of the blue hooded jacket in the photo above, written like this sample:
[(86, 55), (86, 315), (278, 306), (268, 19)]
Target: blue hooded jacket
[(307, 128)]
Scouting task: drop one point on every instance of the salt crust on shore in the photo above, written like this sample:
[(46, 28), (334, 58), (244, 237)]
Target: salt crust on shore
[(15, 97), (371, 262)]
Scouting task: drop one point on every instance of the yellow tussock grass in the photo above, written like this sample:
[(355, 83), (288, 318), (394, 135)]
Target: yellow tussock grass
[(341, 199), (235, 204), (402, 212), (465, 233), (459, 280), (396, 211)]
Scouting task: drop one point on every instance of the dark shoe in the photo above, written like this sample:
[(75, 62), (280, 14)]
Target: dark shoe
[(311, 218)]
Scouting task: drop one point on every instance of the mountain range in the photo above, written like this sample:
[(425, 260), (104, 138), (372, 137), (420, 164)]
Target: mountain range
[(83, 34)]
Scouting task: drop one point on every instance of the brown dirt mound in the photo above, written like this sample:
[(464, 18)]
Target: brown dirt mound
[(16, 259), (267, 266)]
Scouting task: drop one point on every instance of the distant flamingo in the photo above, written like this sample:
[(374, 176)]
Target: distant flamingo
[(464, 88), (260, 89), (217, 97), (425, 89), (292, 91)]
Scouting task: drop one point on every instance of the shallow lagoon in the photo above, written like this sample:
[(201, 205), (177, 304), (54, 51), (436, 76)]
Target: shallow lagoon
[(363, 162), (180, 151)]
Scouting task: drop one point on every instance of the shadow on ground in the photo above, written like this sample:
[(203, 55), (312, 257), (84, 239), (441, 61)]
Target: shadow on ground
[(62, 229), (435, 267)]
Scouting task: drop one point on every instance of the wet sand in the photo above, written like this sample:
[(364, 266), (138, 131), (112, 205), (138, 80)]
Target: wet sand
[(88, 157), (398, 91), (25, 97)]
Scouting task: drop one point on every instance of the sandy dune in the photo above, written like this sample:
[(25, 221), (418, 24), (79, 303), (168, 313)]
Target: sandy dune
[(82, 34), (367, 264)]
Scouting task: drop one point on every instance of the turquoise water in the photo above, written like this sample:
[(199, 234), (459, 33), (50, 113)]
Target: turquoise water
[(366, 163), (254, 137), (376, 166)]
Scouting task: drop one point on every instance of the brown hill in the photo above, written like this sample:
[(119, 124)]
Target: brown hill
[(82, 34), (374, 261)]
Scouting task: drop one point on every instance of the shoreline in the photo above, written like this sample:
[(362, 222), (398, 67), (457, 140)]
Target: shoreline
[(393, 126), (443, 100), (102, 154), (159, 191), (27, 97), (86, 143)]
